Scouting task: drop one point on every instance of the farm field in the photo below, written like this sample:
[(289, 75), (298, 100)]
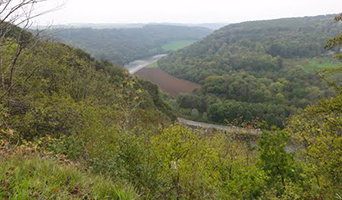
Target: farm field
[(176, 45), (167, 83)]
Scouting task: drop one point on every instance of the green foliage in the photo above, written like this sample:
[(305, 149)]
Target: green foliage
[(205, 116), (194, 113), (196, 166), (157, 100), (335, 42), (179, 152), (241, 112), (188, 101), (279, 166), (172, 162), (66, 105), (8, 30), (53, 99), (246, 46), (270, 62), (318, 129)]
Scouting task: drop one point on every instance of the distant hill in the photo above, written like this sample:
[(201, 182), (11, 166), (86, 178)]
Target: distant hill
[(212, 26), (287, 38), (96, 25), (124, 45), (257, 70)]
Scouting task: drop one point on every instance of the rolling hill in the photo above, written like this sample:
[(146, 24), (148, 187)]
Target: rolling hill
[(122, 46), (262, 70)]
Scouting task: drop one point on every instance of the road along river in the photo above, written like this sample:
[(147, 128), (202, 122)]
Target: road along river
[(244, 133), (249, 135), (136, 65), (228, 129)]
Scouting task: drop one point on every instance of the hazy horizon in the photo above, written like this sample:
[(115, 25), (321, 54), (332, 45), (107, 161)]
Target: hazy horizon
[(177, 11)]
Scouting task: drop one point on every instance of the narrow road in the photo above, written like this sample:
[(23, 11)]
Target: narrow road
[(229, 129)]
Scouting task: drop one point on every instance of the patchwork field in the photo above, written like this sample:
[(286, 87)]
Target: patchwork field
[(167, 83)]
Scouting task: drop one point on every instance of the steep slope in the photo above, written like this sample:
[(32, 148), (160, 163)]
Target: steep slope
[(121, 46), (58, 102), (264, 65), (54, 87)]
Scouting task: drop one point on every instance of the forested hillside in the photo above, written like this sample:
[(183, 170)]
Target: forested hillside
[(73, 127), (121, 46), (54, 81), (262, 70), (56, 102)]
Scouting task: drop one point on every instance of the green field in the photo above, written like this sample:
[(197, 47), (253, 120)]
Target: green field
[(317, 64), (153, 65), (175, 45)]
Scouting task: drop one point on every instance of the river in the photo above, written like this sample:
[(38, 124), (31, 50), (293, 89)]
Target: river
[(136, 65)]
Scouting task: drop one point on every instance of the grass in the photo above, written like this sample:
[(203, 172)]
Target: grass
[(153, 65), (32, 177), (317, 64), (176, 45)]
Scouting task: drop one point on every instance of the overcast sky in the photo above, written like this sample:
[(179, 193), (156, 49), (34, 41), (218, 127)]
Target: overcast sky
[(183, 11)]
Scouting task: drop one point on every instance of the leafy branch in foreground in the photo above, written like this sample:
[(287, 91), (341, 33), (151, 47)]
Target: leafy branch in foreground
[(335, 42)]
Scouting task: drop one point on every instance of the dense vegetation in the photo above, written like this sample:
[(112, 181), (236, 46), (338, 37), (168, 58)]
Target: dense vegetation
[(72, 127), (32, 177), (59, 100), (122, 46), (263, 70)]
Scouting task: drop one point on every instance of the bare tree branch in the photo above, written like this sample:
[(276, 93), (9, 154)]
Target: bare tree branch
[(15, 21)]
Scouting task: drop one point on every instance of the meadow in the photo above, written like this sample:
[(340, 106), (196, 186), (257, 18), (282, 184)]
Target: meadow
[(176, 45)]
